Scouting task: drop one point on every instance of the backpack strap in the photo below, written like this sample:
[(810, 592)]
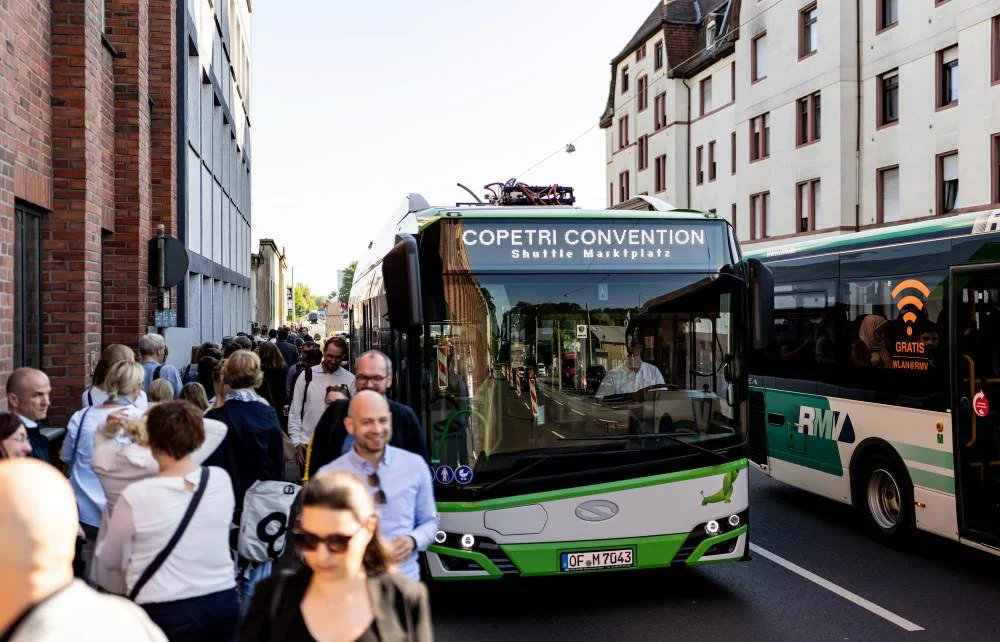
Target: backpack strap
[(156, 373), (90, 396), (305, 392), (76, 442), (165, 553)]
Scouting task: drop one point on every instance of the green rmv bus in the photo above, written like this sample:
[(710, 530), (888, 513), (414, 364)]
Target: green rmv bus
[(882, 385), (582, 378)]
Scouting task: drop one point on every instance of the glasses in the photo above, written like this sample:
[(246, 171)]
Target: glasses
[(335, 357), (364, 379), (379, 494), (334, 543)]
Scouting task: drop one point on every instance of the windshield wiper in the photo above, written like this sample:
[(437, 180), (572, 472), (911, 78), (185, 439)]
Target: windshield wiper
[(516, 473), (660, 435)]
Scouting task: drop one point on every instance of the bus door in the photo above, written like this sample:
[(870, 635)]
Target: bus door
[(975, 294)]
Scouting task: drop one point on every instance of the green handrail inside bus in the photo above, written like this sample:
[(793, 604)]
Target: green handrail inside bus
[(436, 459)]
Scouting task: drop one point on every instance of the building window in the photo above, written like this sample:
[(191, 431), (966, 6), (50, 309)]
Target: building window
[(661, 172), (888, 194), (807, 120), (947, 174), (658, 55), (806, 204), (623, 132), (643, 152), (625, 79), (611, 194), (711, 161), (758, 57), (732, 153), (640, 53), (642, 97), (711, 31), (888, 100), (759, 225), (888, 14), (706, 95), (623, 193), (808, 31), (995, 50), (995, 162), (732, 80), (947, 77), (760, 137), (732, 216), (27, 287), (699, 176), (660, 111)]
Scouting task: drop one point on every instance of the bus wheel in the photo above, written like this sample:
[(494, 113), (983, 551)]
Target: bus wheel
[(886, 498)]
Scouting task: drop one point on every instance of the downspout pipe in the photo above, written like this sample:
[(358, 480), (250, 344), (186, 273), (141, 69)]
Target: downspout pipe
[(857, 136), (687, 145)]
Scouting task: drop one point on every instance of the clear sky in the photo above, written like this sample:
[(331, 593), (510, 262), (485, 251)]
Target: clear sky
[(356, 104)]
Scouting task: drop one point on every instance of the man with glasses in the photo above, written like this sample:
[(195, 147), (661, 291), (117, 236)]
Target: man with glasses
[(372, 371), (308, 394), (399, 481)]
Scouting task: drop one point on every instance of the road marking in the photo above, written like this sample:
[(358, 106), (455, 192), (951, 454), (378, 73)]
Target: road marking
[(901, 622), (559, 402), (557, 434), (577, 412)]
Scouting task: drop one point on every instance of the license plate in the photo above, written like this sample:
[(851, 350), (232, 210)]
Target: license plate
[(591, 560)]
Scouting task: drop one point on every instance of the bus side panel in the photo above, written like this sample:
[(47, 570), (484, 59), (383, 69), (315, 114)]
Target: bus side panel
[(814, 447)]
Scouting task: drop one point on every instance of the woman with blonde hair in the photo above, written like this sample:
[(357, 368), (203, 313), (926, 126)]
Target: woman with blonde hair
[(97, 393), (121, 457), (161, 390), (345, 590), (195, 393)]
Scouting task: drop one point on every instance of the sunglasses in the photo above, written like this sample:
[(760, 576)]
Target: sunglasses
[(334, 543), (379, 494)]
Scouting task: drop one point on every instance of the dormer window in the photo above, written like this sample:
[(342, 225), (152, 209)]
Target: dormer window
[(710, 33)]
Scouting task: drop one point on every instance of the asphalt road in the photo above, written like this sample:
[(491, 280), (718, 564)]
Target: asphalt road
[(948, 591)]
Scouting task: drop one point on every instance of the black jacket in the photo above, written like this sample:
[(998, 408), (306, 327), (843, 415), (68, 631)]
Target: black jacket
[(328, 440), (253, 449), (401, 608)]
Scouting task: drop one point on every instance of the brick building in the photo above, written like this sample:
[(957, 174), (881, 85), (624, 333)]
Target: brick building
[(89, 164)]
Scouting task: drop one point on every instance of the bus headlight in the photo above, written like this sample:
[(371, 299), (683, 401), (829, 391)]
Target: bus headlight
[(468, 541), (440, 537), (712, 528), (734, 520)]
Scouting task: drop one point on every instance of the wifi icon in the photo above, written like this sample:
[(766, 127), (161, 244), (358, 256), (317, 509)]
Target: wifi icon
[(910, 301)]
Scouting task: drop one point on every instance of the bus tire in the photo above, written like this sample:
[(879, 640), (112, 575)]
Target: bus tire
[(884, 497)]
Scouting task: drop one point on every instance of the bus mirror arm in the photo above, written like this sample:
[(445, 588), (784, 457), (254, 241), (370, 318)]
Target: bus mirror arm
[(761, 304)]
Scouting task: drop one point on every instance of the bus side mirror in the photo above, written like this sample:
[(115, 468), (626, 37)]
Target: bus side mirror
[(761, 304), (401, 275)]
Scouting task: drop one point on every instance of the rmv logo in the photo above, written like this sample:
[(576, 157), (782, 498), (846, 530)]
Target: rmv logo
[(826, 424)]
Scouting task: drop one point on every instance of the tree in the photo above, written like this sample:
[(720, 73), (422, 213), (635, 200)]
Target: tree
[(345, 291), (320, 302), (303, 300)]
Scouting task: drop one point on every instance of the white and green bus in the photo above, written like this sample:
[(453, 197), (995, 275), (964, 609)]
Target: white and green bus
[(880, 387), (581, 376)]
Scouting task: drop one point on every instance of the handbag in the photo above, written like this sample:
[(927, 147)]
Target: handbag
[(165, 553)]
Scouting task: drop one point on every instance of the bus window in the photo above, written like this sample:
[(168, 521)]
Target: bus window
[(806, 327), (894, 344)]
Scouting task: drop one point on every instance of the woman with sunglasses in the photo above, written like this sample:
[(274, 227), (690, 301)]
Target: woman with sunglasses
[(345, 590)]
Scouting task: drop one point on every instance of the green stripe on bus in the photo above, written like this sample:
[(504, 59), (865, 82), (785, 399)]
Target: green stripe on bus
[(933, 481), (593, 489), (543, 558), (925, 455)]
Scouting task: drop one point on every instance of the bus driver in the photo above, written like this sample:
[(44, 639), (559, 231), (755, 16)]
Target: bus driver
[(635, 376)]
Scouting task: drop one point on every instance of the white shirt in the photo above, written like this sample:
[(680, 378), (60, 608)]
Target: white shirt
[(120, 462), (94, 396), (145, 518), (300, 428), (623, 381), (90, 499)]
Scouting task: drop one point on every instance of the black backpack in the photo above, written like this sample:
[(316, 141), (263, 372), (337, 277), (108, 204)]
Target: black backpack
[(305, 391)]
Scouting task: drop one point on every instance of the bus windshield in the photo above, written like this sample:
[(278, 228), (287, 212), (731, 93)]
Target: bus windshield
[(639, 365)]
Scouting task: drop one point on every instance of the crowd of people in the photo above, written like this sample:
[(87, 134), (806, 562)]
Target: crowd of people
[(165, 510)]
